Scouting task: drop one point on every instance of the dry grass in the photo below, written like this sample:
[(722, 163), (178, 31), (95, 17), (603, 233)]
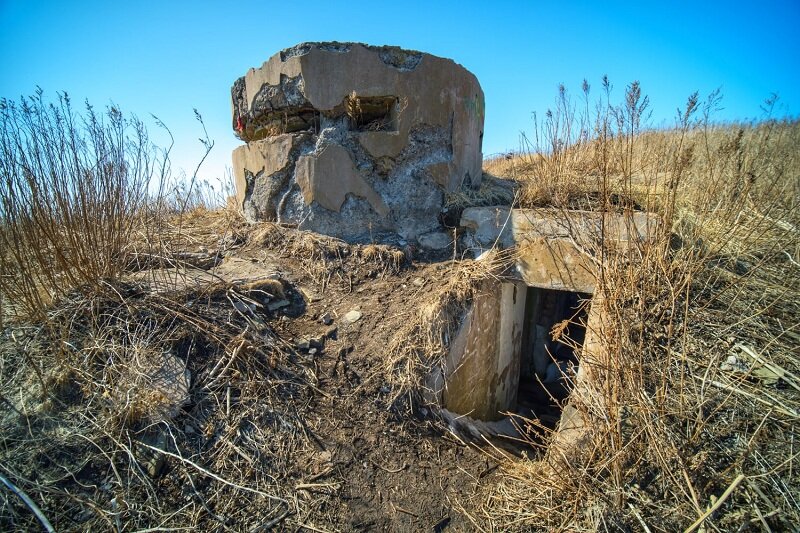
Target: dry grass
[(94, 370), (84, 194), (693, 410), (74, 188), (326, 259), (423, 342), (109, 413)]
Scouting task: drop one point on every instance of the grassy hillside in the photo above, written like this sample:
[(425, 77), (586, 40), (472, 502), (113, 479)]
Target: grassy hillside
[(697, 416), (156, 363)]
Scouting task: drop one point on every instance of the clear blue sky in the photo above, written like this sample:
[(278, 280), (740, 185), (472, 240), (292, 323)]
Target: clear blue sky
[(167, 57)]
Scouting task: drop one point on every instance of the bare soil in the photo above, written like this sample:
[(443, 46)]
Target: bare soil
[(320, 432), (391, 469)]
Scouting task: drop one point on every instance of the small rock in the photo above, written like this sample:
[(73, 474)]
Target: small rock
[(312, 351), (435, 240), (155, 467), (327, 319), (733, 364), (352, 316), (309, 295), (418, 282), (331, 332), (274, 306), (152, 460), (303, 344), (317, 342), (241, 307), (201, 260)]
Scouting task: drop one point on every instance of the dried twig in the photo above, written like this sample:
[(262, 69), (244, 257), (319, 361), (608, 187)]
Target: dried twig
[(29, 502), (717, 504)]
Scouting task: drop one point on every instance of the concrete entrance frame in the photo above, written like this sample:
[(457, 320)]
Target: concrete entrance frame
[(553, 249)]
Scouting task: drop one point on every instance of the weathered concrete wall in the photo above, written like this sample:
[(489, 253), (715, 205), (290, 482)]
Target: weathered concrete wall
[(411, 125), (556, 249), (481, 375)]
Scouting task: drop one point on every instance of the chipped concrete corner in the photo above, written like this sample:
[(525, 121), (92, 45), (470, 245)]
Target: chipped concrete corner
[(355, 141)]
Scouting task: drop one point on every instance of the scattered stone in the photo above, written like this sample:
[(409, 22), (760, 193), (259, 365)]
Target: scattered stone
[(733, 364), (327, 319), (418, 282), (332, 332), (202, 260), (435, 240), (242, 307), (309, 295), (153, 462), (317, 342), (303, 344), (312, 351), (352, 316), (274, 306)]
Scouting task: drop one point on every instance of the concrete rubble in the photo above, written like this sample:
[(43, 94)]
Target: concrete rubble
[(354, 141)]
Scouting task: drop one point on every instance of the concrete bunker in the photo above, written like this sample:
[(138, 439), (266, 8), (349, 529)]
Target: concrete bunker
[(518, 350), (522, 346), (354, 141)]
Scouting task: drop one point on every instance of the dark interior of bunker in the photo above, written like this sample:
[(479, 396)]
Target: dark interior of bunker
[(553, 335)]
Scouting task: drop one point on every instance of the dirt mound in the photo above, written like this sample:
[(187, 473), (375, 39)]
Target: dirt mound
[(291, 418)]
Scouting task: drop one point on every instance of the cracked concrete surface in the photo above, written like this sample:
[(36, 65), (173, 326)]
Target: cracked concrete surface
[(356, 141)]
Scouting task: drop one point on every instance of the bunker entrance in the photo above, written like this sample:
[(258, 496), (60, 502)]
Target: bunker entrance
[(516, 354), (553, 332)]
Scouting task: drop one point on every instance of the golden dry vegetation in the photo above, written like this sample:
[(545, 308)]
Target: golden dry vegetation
[(693, 417)]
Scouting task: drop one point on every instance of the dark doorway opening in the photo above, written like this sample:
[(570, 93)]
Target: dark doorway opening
[(552, 339)]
